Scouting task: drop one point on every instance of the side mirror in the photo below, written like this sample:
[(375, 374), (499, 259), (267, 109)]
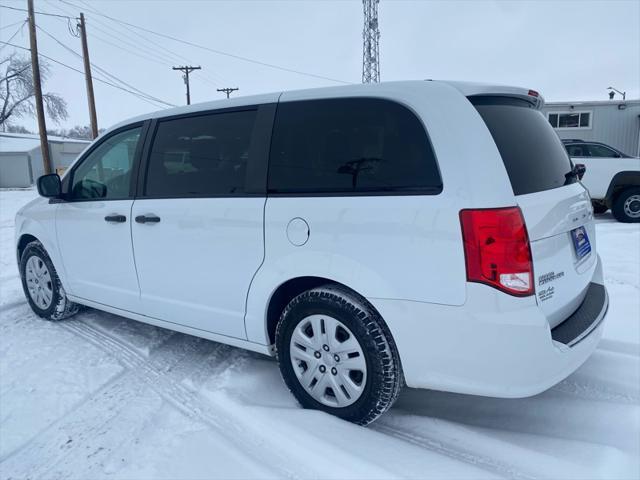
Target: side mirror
[(50, 186), (580, 170)]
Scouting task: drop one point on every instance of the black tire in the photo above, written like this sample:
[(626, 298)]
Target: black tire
[(627, 201), (598, 207), (384, 377), (60, 307)]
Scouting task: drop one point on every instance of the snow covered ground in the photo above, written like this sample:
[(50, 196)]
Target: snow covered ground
[(100, 396)]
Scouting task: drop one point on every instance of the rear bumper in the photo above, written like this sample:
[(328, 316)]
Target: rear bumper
[(494, 345), (585, 319)]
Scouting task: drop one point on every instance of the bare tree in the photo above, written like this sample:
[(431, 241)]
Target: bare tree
[(17, 93), (82, 132), (16, 129)]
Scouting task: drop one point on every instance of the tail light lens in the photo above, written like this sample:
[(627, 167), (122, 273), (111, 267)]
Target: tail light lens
[(497, 251)]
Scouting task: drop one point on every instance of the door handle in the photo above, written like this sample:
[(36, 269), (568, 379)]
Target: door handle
[(115, 218), (147, 219)]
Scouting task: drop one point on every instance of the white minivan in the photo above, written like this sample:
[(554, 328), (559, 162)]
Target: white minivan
[(425, 233)]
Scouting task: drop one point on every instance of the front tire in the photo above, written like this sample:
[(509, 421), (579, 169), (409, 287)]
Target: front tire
[(626, 207), (42, 286), (337, 355)]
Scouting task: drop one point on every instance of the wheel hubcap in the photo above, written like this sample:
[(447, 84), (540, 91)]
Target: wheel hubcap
[(632, 206), (39, 283), (328, 361)]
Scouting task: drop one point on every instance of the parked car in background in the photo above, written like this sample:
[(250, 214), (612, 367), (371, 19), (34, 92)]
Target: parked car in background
[(347, 231), (612, 178)]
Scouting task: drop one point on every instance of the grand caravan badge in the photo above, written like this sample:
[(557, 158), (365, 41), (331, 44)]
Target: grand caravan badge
[(547, 293), (549, 277)]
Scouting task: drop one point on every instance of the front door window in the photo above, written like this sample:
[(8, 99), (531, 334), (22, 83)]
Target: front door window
[(106, 172)]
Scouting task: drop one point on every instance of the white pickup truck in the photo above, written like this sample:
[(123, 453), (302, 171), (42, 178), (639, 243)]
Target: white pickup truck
[(612, 178)]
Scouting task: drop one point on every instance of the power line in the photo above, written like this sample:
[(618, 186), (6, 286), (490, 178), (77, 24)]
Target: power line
[(120, 37), (82, 73), (38, 13), (103, 71), (159, 59), (16, 33), (154, 60), (166, 52), (129, 41), (153, 53), (151, 45), (218, 52), (11, 24), (215, 80)]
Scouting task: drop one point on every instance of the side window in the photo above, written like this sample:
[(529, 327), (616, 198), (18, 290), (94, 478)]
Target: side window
[(577, 151), (106, 172), (601, 151), (200, 156), (350, 145)]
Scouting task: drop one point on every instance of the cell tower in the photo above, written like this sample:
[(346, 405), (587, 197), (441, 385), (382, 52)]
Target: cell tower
[(371, 41)]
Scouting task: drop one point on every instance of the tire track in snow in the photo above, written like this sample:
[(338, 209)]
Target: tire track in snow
[(163, 372), (69, 435), (454, 452), (11, 305), (186, 401), (78, 433), (77, 406), (160, 374)]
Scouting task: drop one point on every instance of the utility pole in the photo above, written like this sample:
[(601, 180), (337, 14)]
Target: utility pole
[(88, 78), (371, 43), (187, 69), (227, 90), (37, 86)]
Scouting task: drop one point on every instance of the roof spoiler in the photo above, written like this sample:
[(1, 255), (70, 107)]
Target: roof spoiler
[(469, 89)]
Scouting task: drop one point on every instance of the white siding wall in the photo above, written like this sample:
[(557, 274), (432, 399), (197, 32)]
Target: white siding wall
[(15, 170), (619, 128), (22, 169)]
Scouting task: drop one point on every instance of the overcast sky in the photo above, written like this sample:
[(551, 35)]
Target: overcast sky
[(568, 50)]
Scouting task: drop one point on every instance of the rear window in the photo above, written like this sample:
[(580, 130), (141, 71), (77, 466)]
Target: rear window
[(350, 146), (532, 153)]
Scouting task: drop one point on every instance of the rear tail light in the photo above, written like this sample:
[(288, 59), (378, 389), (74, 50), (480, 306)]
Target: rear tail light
[(533, 93), (497, 251)]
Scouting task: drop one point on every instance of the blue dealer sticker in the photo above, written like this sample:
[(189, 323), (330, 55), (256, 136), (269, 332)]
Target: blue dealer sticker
[(581, 242)]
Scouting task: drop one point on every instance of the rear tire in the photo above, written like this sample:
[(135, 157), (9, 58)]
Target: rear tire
[(337, 355), (42, 286), (626, 207)]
